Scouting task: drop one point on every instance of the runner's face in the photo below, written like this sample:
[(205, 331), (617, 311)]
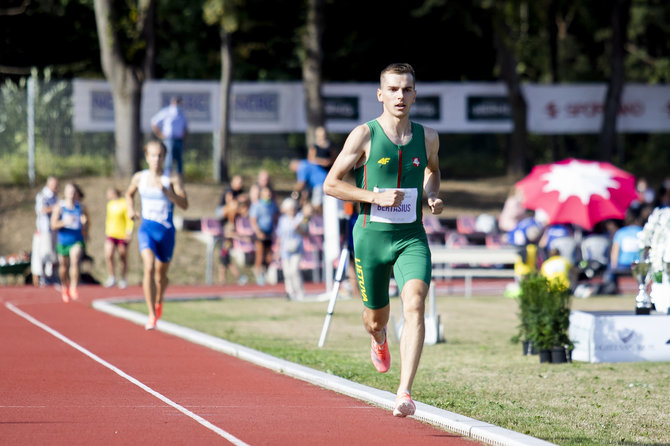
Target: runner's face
[(155, 157), (397, 93)]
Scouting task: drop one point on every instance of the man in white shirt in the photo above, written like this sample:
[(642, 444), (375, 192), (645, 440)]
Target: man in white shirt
[(43, 255), (171, 127)]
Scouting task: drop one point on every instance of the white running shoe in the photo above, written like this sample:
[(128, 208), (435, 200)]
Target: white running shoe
[(122, 284), (110, 282)]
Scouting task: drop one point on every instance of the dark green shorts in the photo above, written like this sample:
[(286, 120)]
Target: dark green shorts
[(64, 250), (377, 253)]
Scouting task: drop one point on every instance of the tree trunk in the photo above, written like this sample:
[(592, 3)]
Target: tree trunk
[(126, 83), (312, 68), (221, 150), (608, 131), (516, 164)]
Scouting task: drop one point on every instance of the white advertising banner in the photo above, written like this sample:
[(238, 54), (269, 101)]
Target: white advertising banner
[(610, 336), (579, 108), (472, 107)]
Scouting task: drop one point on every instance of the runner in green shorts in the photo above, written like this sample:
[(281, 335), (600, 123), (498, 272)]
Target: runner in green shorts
[(395, 163)]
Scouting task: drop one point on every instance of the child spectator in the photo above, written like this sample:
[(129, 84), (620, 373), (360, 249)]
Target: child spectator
[(263, 215), (557, 269), (291, 228), (118, 233)]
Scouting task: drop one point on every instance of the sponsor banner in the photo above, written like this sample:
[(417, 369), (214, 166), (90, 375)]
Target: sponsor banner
[(579, 108), (473, 107), (611, 336)]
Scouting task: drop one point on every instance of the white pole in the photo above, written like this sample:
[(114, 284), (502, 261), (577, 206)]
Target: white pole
[(31, 129), (341, 267)]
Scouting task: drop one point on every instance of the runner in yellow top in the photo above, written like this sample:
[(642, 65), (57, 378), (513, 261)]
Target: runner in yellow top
[(395, 162), (118, 233)]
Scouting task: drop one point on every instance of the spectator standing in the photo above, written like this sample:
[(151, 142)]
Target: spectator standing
[(291, 228), (118, 232), (43, 257), (70, 219), (171, 127), (263, 215), (309, 177), (322, 152)]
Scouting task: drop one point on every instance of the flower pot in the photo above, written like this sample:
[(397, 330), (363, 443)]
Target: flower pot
[(545, 355), (558, 355), (528, 348)]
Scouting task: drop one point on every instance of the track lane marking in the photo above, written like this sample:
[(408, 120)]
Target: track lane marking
[(231, 438)]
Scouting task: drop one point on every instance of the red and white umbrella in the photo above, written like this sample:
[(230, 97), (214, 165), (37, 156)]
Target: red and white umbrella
[(578, 191)]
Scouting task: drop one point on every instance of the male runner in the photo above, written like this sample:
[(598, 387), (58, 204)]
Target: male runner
[(395, 161)]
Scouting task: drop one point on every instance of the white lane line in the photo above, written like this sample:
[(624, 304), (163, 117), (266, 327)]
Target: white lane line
[(121, 373)]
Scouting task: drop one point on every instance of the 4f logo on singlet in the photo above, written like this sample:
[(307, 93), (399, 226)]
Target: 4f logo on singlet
[(416, 161), (361, 280), (383, 161)]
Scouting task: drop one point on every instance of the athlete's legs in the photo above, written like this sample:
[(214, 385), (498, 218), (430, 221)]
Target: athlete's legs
[(109, 257), (413, 332), (148, 283), (123, 259), (161, 280), (63, 268), (375, 321), (75, 256)]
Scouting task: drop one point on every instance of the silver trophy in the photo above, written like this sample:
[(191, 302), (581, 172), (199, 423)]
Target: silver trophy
[(641, 272)]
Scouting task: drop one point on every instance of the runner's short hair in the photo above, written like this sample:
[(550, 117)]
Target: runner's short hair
[(397, 68)]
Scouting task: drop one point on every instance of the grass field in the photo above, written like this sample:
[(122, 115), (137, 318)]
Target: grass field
[(478, 372)]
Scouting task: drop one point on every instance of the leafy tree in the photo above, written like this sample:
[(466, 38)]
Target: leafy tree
[(224, 13), (125, 33)]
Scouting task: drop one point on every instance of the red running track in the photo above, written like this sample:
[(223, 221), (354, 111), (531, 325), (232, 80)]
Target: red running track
[(53, 393)]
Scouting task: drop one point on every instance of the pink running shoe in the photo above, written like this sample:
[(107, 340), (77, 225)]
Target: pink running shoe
[(74, 293), (380, 354), (151, 323), (404, 406), (65, 294), (159, 310)]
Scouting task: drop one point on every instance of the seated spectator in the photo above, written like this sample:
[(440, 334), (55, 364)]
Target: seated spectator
[(625, 250), (558, 269), (512, 212), (229, 196), (263, 180), (518, 236), (526, 260), (263, 215), (561, 237)]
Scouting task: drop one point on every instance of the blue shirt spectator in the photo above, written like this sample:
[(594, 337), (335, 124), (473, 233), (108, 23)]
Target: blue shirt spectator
[(625, 239), (170, 125), (265, 213)]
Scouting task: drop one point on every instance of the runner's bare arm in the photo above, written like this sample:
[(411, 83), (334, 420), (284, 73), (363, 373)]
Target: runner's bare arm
[(176, 193), (130, 196), (353, 154), (431, 182)]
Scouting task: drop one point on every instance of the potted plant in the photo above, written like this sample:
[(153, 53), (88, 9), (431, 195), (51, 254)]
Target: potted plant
[(545, 317), (530, 297)]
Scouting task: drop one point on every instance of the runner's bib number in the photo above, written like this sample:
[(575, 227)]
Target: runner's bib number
[(405, 213)]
